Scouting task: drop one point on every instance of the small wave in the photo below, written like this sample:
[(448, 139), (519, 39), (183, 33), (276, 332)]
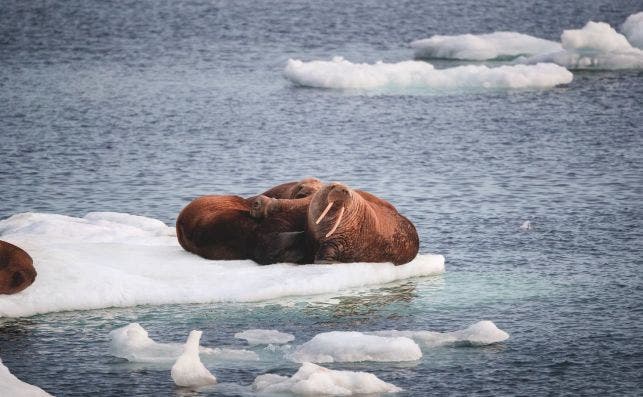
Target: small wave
[(342, 74), (119, 260), (482, 47)]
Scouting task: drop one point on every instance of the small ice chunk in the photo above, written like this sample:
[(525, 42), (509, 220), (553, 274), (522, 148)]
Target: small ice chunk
[(12, 386), (132, 343), (313, 380), (632, 28), (526, 225), (340, 346), (479, 334), (264, 337), (188, 370)]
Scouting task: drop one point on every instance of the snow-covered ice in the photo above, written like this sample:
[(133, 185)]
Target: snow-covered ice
[(313, 380), (264, 337), (480, 47), (632, 28), (339, 73), (188, 370), (14, 387), (119, 260), (133, 343), (478, 334), (349, 346)]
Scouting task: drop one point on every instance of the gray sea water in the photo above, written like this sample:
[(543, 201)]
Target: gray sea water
[(140, 106)]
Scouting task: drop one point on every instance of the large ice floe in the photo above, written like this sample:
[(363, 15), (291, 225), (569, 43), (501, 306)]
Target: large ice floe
[(479, 334), (596, 46), (133, 343), (481, 47), (14, 387), (313, 380), (422, 76), (264, 337), (350, 346), (118, 260), (632, 28)]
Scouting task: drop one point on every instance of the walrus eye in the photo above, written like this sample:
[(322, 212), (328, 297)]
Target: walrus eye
[(256, 205)]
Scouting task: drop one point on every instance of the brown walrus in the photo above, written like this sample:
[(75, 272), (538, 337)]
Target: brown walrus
[(345, 225), (221, 227), (16, 269)]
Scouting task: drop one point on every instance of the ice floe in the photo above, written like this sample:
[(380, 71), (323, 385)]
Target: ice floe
[(264, 337), (479, 334), (480, 47), (596, 46), (348, 346), (632, 28), (14, 387), (188, 370), (417, 75), (118, 260), (313, 380), (133, 343)]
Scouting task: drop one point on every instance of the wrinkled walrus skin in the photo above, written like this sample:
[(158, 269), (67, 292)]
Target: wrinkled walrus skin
[(346, 225), (16, 269)]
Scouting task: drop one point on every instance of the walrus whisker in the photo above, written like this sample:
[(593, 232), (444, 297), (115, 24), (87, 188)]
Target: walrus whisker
[(323, 214), (339, 219)]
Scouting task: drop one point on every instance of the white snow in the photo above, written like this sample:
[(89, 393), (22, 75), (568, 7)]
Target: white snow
[(349, 346), (596, 46), (14, 387), (313, 380), (264, 337), (479, 334), (188, 370), (417, 75), (119, 260), (133, 343), (632, 28), (490, 46)]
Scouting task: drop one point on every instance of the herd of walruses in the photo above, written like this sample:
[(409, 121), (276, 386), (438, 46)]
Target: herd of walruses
[(299, 222)]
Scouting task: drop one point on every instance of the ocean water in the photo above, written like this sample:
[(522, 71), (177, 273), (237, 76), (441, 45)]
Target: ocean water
[(140, 106)]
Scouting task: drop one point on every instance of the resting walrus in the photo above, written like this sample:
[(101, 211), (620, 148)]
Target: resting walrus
[(16, 269), (345, 225)]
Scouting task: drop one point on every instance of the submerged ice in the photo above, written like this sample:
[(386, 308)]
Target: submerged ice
[(313, 380), (264, 337), (496, 45), (478, 334), (117, 260), (417, 75), (344, 346)]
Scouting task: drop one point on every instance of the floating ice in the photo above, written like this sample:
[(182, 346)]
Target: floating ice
[(416, 75), (596, 46), (340, 346), (132, 343), (313, 380), (479, 334), (118, 260), (12, 386), (188, 370), (632, 28), (264, 337), (490, 46)]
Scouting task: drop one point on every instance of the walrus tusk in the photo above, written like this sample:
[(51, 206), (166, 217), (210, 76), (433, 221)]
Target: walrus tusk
[(339, 219), (323, 214)]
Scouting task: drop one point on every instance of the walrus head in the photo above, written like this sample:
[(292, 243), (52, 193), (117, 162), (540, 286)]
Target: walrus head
[(338, 196), (16, 269), (306, 187), (259, 206)]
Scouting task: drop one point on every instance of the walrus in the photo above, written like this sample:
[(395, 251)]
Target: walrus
[(16, 269), (294, 190), (217, 227), (345, 225)]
